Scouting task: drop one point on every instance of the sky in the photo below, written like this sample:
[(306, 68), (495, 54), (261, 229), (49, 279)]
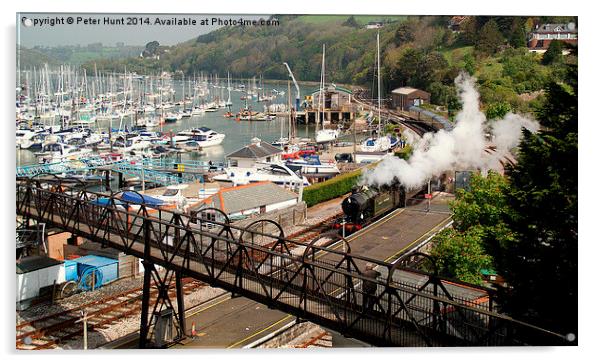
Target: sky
[(52, 29)]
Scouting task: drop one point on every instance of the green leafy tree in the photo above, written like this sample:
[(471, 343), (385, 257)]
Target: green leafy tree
[(478, 219), (518, 35), (351, 22), (460, 255), (540, 263), (490, 38), (470, 64), (404, 33), (554, 53), (497, 110), (419, 68), (469, 31)]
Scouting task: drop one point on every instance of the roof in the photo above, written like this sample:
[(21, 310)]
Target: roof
[(406, 90), (33, 263), (191, 191), (329, 88), (254, 151), (556, 28), (244, 197), (94, 260), (456, 20)]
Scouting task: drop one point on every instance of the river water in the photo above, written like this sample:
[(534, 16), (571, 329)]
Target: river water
[(238, 134)]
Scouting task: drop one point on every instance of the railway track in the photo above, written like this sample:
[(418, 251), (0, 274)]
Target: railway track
[(314, 230), (418, 127), (49, 331)]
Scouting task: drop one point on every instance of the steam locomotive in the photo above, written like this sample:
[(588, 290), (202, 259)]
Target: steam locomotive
[(366, 204)]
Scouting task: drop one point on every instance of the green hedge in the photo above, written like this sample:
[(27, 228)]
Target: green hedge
[(331, 188)]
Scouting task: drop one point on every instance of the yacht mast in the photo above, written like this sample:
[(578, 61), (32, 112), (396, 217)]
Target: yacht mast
[(322, 93), (378, 78)]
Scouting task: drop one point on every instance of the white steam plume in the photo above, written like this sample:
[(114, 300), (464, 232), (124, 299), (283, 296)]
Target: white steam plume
[(459, 149)]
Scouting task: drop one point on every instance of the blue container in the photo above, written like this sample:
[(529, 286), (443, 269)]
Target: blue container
[(107, 268), (71, 270)]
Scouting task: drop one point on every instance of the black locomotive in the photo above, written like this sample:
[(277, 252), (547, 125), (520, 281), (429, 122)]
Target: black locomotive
[(366, 204)]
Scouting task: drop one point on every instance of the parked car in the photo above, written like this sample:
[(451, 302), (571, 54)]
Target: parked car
[(344, 158)]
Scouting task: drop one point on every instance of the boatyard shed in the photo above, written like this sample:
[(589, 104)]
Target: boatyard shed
[(254, 198), (406, 97), (35, 273), (337, 105), (257, 151)]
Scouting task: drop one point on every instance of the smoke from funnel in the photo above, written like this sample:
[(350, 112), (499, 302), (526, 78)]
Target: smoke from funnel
[(462, 148)]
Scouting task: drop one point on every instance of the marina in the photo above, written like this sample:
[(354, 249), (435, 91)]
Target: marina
[(178, 198)]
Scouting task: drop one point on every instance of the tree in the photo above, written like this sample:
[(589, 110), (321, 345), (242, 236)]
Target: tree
[(405, 33), (470, 64), (419, 68), (540, 263), (497, 110), (469, 31), (554, 53), (460, 255), (490, 38), (518, 35), (478, 219), (351, 22)]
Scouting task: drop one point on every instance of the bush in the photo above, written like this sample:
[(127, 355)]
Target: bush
[(331, 188), (405, 152)]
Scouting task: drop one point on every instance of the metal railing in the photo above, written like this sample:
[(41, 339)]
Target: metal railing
[(320, 284)]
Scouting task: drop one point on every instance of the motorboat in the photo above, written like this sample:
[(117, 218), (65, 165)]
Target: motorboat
[(173, 117), (327, 135), (24, 138), (277, 173), (57, 152), (313, 165), (204, 136), (34, 143), (376, 144), (130, 143)]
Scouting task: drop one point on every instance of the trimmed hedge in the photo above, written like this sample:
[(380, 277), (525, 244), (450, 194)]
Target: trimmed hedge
[(331, 188)]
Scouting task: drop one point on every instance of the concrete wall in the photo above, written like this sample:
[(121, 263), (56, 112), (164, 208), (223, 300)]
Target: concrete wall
[(30, 283), (286, 217)]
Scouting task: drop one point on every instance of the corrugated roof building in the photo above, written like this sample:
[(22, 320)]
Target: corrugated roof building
[(406, 97), (248, 199), (257, 151)]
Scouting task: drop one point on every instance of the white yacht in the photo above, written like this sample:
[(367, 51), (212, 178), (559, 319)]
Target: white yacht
[(277, 173), (313, 166), (376, 144), (327, 135), (324, 135), (57, 152), (130, 143), (24, 138), (203, 136), (379, 142)]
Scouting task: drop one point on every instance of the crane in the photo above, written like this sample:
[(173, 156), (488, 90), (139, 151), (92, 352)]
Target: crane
[(297, 99)]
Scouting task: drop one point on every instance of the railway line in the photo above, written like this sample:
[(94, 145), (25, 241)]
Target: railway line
[(314, 230), (49, 331), (418, 127)]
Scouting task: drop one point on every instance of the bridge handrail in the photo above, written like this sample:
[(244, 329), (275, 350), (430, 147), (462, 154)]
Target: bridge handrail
[(82, 199)]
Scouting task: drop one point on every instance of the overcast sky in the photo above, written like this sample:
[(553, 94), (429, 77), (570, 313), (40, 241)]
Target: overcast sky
[(83, 34)]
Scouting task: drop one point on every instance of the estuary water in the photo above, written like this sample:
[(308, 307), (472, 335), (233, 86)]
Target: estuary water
[(238, 133)]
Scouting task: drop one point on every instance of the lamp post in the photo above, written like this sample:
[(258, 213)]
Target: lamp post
[(84, 319)]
